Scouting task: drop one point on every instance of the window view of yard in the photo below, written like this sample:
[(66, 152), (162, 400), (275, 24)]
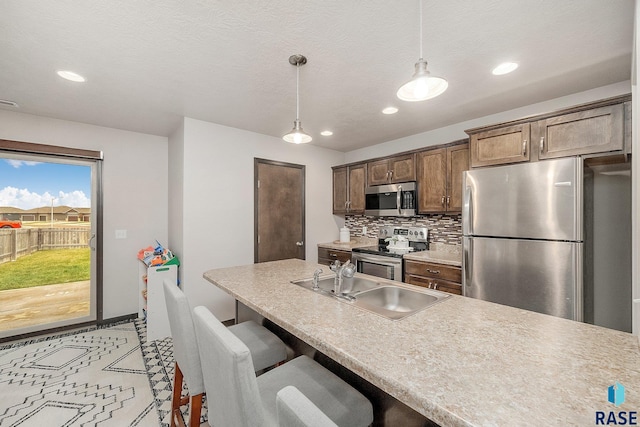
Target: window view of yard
[(45, 259), (46, 268)]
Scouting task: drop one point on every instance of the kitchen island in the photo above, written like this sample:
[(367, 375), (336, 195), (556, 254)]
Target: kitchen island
[(460, 362)]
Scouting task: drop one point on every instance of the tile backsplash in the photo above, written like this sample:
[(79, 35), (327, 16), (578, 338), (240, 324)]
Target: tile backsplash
[(445, 229)]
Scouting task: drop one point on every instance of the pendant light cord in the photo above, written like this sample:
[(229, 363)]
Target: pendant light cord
[(421, 57), (297, 91)]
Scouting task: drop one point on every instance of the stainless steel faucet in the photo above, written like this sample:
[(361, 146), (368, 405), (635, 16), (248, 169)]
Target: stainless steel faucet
[(316, 276), (345, 270)]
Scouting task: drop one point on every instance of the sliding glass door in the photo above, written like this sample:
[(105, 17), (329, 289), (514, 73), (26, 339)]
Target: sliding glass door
[(49, 242)]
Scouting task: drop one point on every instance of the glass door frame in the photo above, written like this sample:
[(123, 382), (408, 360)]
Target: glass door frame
[(64, 155)]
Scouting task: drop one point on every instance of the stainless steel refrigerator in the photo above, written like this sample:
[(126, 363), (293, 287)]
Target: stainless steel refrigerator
[(523, 236)]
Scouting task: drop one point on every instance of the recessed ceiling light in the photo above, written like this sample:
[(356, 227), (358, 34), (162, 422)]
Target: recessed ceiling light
[(390, 110), (504, 68), (70, 75), (326, 133)]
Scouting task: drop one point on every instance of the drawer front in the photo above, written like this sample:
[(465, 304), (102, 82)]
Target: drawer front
[(431, 283), (327, 256), (437, 271)]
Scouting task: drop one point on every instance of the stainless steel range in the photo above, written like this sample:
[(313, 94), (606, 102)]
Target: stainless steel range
[(385, 260)]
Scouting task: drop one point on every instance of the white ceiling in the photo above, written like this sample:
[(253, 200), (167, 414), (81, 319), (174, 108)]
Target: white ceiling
[(148, 63)]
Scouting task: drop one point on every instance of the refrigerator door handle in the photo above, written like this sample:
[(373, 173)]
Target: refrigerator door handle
[(398, 199), (467, 212), (468, 265)]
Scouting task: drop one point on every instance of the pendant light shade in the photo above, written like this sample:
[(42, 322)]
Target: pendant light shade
[(297, 135), (422, 85)]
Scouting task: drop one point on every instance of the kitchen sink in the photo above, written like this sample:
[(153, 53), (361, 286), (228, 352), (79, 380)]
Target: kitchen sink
[(378, 296), (350, 286), (395, 302)]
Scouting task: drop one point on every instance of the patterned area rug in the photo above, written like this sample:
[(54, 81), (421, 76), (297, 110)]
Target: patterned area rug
[(95, 377), (110, 376)]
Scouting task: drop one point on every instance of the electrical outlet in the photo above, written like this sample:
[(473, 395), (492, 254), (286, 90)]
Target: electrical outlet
[(364, 230), (121, 234)]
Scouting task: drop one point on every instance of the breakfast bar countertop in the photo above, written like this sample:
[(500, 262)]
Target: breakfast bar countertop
[(461, 362)]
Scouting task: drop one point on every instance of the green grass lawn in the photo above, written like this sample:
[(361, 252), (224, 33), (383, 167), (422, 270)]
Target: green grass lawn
[(46, 268)]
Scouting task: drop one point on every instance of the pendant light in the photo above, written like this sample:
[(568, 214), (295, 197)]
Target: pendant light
[(422, 85), (297, 135)]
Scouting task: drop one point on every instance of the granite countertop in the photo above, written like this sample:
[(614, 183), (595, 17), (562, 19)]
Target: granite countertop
[(461, 362), (439, 253), (356, 242)]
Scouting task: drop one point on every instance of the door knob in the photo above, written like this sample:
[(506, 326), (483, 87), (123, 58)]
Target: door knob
[(299, 243)]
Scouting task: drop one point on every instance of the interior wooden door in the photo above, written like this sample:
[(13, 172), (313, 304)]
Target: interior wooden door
[(279, 211)]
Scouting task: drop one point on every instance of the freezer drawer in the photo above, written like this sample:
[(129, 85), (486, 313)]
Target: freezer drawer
[(541, 276)]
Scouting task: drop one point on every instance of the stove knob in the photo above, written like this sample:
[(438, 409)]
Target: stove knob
[(421, 233)]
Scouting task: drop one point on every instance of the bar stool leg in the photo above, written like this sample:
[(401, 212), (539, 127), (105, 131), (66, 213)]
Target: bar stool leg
[(196, 409), (177, 393)]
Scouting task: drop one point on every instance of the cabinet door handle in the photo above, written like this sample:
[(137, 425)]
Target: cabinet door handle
[(390, 175), (524, 147), (433, 271), (299, 243), (430, 285), (448, 201), (435, 286), (333, 255), (442, 201), (542, 144)]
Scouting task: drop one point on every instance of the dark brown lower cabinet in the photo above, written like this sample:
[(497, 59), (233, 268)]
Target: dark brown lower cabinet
[(445, 278), (327, 256)]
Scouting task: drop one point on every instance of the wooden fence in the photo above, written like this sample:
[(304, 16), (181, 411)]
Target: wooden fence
[(17, 242)]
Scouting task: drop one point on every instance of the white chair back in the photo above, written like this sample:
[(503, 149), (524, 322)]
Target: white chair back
[(185, 347), (233, 398)]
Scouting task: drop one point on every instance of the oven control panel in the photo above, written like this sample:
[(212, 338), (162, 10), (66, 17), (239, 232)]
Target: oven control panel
[(413, 234)]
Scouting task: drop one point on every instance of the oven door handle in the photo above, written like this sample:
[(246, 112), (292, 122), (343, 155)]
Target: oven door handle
[(399, 199), (377, 260)]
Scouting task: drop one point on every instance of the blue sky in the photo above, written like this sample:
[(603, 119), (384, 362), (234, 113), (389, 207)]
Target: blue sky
[(26, 184)]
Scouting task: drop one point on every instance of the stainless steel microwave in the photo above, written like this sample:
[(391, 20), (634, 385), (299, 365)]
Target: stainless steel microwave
[(391, 200)]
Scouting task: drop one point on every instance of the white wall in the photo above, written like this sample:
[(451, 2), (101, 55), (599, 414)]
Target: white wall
[(218, 223), (456, 131), (134, 190), (176, 193)]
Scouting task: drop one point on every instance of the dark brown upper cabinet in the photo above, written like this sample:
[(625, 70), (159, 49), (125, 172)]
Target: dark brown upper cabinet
[(597, 129), (586, 132), (509, 144), (348, 189), (440, 178), (391, 170)]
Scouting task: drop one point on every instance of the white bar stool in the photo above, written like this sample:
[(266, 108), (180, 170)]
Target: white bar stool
[(265, 347), (235, 396)]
